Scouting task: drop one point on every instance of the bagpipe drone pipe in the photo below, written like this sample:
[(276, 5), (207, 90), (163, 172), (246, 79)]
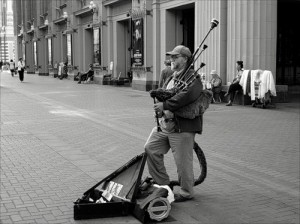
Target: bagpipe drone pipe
[(183, 81)]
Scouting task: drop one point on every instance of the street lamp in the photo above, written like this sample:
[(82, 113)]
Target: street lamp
[(93, 7), (65, 15)]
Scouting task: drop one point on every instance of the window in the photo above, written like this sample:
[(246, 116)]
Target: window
[(50, 51), (97, 50), (23, 51), (35, 53), (69, 49)]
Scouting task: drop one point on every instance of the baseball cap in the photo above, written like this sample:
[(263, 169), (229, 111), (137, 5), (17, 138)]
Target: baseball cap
[(180, 49)]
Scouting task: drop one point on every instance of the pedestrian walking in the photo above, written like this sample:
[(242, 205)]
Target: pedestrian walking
[(1, 64), (21, 68), (12, 67), (177, 132)]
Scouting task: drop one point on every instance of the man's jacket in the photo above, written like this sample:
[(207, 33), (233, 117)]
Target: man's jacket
[(182, 99)]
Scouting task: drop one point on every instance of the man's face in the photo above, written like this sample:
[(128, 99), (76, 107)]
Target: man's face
[(178, 62)]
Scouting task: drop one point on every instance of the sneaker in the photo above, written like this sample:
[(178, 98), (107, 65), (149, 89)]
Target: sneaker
[(229, 104), (226, 94), (180, 198)]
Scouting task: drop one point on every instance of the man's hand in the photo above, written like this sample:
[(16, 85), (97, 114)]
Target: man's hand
[(158, 107), (152, 93), (158, 115)]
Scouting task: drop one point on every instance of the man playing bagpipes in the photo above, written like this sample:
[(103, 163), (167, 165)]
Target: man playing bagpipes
[(180, 118)]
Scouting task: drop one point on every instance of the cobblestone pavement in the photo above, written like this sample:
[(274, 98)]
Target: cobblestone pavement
[(59, 138)]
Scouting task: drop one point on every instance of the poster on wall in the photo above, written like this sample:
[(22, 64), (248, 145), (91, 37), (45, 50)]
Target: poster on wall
[(137, 42)]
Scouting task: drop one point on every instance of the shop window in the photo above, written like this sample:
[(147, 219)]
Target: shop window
[(49, 51), (35, 53), (24, 51), (97, 48), (69, 49)]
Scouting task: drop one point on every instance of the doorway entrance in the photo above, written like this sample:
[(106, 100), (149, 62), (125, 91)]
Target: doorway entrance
[(181, 21), (288, 46), (123, 49), (88, 48)]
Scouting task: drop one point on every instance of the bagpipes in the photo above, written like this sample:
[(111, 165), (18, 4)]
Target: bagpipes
[(183, 81)]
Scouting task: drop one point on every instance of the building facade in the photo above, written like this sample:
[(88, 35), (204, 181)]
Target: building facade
[(129, 38), (7, 45)]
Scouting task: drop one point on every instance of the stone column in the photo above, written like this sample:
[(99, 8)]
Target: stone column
[(252, 29), (215, 55), (156, 43)]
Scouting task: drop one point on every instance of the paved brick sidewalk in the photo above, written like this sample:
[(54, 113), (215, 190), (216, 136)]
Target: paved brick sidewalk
[(59, 138)]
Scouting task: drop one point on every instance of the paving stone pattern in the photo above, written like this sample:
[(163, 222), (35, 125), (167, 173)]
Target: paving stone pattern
[(59, 138)]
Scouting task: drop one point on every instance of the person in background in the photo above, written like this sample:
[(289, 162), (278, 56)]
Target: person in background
[(203, 80), (165, 73), (87, 75), (55, 66), (235, 85), (12, 67), (215, 85), (1, 64), (64, 71), (21, 68)]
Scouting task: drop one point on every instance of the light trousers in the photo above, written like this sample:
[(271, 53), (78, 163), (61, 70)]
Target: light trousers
[(181, 144)]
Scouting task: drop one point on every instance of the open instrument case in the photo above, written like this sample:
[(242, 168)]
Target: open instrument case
[(120, 194)]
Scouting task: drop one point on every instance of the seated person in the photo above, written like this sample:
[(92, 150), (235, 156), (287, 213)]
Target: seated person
[(89, 75), (215, 84), (235, 85)]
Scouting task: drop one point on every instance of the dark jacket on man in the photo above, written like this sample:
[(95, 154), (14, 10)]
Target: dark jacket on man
[(184, 98)]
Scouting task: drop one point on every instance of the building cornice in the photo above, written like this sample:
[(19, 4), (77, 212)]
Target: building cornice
[(30, 31), (60, 20), (43, 27), (110, 2), (83, 12)]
